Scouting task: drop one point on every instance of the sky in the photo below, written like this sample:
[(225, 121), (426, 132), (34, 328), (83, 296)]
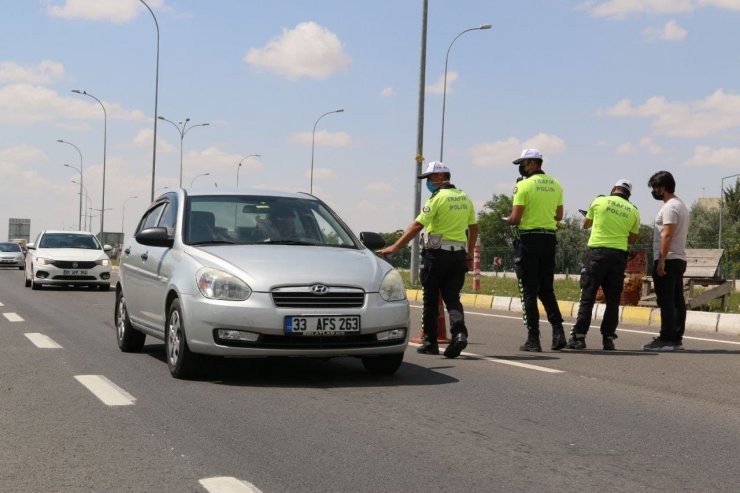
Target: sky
[(605, 89)]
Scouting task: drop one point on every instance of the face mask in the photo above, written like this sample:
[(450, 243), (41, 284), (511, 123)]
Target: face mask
[(523, 170), (431, 187), (657, 195)]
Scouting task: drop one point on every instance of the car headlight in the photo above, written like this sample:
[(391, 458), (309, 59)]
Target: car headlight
[(392, 288), (219, 285), (103, 261), (44, 261)]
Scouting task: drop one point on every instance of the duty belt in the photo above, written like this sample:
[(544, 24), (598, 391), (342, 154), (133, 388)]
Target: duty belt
[(451, 246), (537, 231)]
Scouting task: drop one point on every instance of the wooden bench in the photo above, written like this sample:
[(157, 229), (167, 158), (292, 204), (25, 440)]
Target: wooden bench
[(702, 269)]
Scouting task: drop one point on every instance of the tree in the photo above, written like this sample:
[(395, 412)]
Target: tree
[(496, 235), (572, 245), (402, 258)]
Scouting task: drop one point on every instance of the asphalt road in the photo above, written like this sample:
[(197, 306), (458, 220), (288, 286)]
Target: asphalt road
[(493, 420)]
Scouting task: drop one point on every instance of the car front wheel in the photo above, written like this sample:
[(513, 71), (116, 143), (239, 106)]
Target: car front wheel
[(130, 340), (386, 364), (181, 362), (34, 284), (27, 280)]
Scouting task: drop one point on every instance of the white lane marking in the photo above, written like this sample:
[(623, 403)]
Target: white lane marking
[(42, 341), (527, 366), (227, 484), (1, 303), (13, 317), (105, 390), (598, 327)]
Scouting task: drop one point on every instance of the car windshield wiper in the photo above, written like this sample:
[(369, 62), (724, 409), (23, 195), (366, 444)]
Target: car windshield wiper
[(213, 242)]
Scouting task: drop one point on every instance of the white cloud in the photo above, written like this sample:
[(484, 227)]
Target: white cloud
[(671, 31), (323, 173), (706, 156), (439, 86), (308, 50), (26, 104), (620, 9), (43, 73), (652, 147), (323, 138), (504, 152), (379, 187), (387, 92), (12, 157), (626, 148), (143, 140), (718, 111), (118, 11), (219, 160), (722, 4)]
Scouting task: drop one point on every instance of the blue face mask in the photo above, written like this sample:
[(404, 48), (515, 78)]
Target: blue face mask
[(431, 187)]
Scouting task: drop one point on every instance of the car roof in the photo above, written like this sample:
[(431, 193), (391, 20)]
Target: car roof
[(62, 231), (261, 192)]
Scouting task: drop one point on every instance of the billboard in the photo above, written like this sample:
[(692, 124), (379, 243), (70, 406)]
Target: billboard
[(19, 229)]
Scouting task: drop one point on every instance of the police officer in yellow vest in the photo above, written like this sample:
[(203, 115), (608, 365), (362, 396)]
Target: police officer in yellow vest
[(452, 229), (615, 223), (537, 208)]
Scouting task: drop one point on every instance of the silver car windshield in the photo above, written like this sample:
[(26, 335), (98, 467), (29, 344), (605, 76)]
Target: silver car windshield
[(10, 247), (69, 240), (249, 220)]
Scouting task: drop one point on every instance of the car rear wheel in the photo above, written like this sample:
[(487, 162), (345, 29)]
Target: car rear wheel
[(386, 364), (181, 362), (130, 340)]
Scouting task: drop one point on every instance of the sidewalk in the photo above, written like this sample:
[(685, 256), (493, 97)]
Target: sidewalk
[(712, 322)]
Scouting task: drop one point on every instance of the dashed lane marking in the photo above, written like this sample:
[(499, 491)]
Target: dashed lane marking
[(227, 484), (105, 390), (13, 317), (1, 303), (518, 364), (42, 341)]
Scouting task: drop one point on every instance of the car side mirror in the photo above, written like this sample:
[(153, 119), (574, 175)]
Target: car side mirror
[(155, 237), (107, 248), (31, 246), (373, 241)]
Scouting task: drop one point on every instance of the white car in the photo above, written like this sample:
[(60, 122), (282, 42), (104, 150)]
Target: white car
[(246, 274), (11, 255), (68, 258)]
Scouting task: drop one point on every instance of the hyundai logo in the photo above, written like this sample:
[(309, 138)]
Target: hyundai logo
[(74, 265), (319, 289)]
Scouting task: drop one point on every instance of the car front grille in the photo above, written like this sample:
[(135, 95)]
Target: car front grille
[(301, 342), (304, 297), (68, 264)]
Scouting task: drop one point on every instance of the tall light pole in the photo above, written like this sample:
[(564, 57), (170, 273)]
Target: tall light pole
[(156, 93), (419, 158), (81, 179), (105, 138), (240, 165), (313, 141), (182, 129), (79, 224), (444, 91), (88, 203), (198, 176), (123, 214), (721, 204)]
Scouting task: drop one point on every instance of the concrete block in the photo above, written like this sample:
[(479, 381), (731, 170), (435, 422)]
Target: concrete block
[(468, 299), (655, 317), (703, 321), (729, 324), (411, 294), (541, 308), (598, 311), (636, 315), (568, 308), (501, 303), (484, 301), (516, 305)]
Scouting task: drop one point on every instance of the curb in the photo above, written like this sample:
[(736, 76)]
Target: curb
[(712, 322)]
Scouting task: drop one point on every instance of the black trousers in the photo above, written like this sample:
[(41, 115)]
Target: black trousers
[(604, 267), (442, 272), (669, 292), (535, 271)]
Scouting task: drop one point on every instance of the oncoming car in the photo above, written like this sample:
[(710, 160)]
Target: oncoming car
[(11, 255), (67, 258), (257, 274)]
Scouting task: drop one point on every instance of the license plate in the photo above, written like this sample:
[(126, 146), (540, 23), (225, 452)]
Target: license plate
[(314, 325), (75, 272)]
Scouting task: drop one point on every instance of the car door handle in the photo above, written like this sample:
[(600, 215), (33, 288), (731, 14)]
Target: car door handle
[(127, 251), (144, 255)]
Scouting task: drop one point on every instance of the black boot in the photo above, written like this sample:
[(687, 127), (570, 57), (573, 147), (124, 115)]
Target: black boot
[(578, 341), (558, 338), (458, 343), (532, 344)]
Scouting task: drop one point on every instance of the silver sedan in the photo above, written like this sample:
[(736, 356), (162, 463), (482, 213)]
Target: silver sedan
[(257, 274), (11, 255)]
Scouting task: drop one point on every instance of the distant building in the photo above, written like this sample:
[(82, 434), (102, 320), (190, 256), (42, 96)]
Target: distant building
[(708, 203)]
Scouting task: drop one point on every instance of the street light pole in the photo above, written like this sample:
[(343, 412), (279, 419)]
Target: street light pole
[(79, 225), (721, 204), (182, 129), (123, 214), (240, 165), (419, 142), (444, 91), (88, 203), (156, 94), (81, 179), (198, 176), (105, 138), (313, 141)]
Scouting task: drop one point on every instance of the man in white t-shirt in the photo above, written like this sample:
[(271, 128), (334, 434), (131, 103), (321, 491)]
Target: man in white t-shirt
[(669, 253)]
